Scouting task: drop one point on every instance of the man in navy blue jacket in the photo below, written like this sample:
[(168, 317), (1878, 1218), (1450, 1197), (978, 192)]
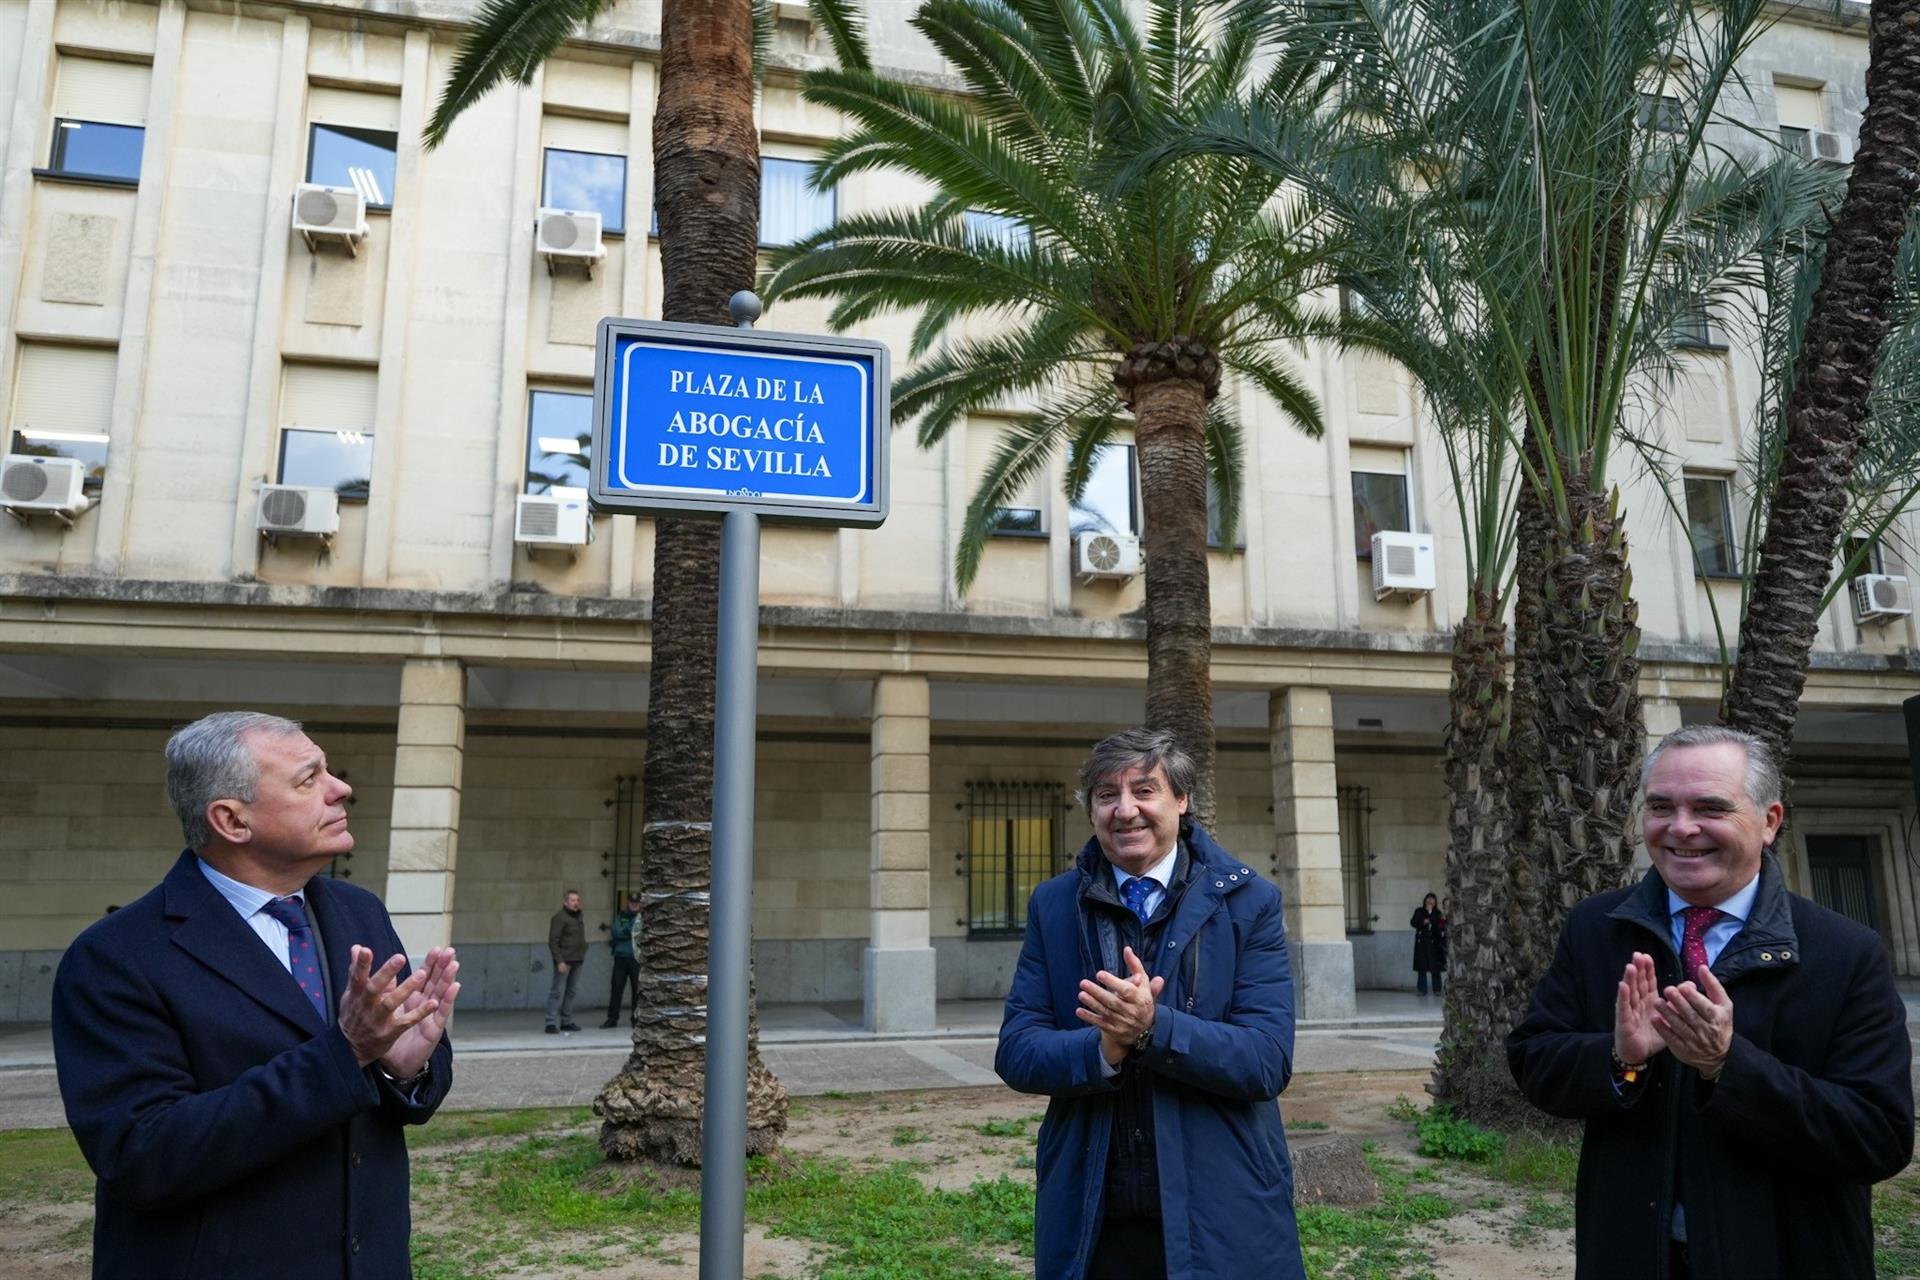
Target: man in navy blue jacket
[(1153, 1003), (234, 1067)]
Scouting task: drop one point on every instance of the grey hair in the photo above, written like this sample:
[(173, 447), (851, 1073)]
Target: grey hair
[(209, 760), (1136, 748), (1763, 762)]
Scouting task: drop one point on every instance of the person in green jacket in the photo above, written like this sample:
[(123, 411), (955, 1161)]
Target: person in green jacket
[(626, 964)]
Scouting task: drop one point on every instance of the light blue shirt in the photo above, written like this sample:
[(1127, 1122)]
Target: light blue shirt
[(1161, 873), (251, 904), (1733, 918)]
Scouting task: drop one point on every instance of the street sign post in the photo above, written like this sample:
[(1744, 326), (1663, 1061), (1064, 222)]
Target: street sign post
[(691, 420)]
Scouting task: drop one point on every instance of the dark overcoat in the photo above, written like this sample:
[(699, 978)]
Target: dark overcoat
[(1222, 1051), (1773, 1162), (229, 1127), (1429, 941)]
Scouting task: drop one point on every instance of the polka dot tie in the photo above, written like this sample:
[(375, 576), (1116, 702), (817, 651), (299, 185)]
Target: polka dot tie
[(1693, 939), (292, 913), (1135, 892)]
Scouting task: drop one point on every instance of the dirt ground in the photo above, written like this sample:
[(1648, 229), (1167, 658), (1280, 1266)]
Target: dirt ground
[(1485, 1239)]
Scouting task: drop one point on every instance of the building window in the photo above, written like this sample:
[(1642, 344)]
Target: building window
[(1862, 556), (1023, 516), (1694, 328), (1660, 112), (559, 442), (586, 182), (1380, 498), (1214, 531), (99, 125), (999, 230), (789, 208), (341, 155), (1710, 521), (1110, 503), (1356, 856), (1013, 844), (326, 436), (63, 405), (1800, 109)]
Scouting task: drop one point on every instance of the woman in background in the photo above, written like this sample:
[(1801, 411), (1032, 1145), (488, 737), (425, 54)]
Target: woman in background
[(1429, 944)]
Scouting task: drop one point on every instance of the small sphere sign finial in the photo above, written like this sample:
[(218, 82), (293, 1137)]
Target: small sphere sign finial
[(745, 308)]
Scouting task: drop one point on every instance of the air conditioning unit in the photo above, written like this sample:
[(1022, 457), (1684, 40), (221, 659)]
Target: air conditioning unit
[(568, 235), (55, 485), (330, 213), (1824, 146), (297, 510), (1881, 597), (1106, 555), (546, 520), (1402, 564)]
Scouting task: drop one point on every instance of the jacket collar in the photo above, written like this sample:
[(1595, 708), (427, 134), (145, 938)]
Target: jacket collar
[(1214, 873), (1767, 941), (206, 927)]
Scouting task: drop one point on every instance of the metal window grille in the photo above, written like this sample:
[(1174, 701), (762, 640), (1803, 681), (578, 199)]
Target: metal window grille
[(1013, 843), (1356, 857), (624, 858)]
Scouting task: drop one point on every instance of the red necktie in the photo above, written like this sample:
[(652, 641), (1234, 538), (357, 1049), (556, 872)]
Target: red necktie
[(1693, 941)]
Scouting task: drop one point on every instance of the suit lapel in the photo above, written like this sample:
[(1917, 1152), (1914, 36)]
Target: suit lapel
[(206, 927)]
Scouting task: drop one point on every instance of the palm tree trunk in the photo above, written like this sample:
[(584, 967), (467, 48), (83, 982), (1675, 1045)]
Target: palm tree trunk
[(707, 188), (1169, 415), (1524, 774), (1827, 414), (1482, 1000), (1591, 728)]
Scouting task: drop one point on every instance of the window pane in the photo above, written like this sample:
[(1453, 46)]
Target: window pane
[(1660, 111), (97, 150), (1379, 503), (337, 460), (789, 208), (559, 442), (1863, 554), (586, 182), (83, 446), (1107, 505), (361, 159), (1710, 521), (997, 229), (1213, 520)]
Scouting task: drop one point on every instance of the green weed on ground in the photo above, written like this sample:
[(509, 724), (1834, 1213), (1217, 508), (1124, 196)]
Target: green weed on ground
[(1896, 1225), (42, 1166), (1377, 1243), (1445, 1136)]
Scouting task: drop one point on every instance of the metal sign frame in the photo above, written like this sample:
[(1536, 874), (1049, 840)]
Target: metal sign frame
[(608, 423)]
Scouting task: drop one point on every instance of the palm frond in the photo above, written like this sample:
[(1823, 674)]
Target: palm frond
[(509, 41)]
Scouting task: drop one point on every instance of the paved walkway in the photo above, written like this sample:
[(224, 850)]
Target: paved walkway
[(505, 1059)]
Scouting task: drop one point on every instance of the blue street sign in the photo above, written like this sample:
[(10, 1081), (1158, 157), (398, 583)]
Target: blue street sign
[(697, 419)]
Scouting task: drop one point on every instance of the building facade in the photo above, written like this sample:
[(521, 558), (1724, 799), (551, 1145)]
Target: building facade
[(199, 336)]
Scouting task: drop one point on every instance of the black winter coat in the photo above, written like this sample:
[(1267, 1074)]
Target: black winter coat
[(1813, 1106), (1429, 941)]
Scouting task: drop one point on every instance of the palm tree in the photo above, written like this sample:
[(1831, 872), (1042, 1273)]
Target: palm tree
[(1124, 296), (707, 193), (1826, 416)]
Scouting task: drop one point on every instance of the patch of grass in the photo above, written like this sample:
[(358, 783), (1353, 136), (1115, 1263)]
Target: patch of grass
[(840, 1094), (42, 1166), (1378, 1243), (1001, 1128), (1403, 1108), (449, 1127), (1541, 1213), (906, 1135), (1446, 1136), (1544, 1164), (888, 1224), (1307, 1126), (1896, 1225)]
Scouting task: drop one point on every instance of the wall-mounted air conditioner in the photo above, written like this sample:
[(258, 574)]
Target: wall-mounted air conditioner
[(297, 510), (1881, 597), (568, 235), (330, 213), (1106, 555), (547, 520), (1402, 564), (1824, 146), (52, 485)]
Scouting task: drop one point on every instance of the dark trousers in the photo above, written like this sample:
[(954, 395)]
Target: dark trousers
[(1438, 981), (1129, 1249), (1679, 1265), (626, 987)]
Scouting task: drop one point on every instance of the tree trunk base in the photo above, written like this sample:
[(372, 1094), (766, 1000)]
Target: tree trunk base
[(647, 1118)]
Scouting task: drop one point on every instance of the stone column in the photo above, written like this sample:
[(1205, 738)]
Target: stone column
[(1306, 834), (898, 982), (1662, 717), (426, 802)]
